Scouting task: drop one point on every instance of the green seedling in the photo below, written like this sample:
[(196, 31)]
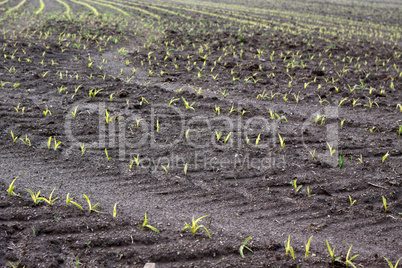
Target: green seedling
[(351, 201), (185, 169), (107, 155), (91, 208), (288, 248), (49, 142), (384, 202), (332, 253), (218, 135), (312, 153), (341, 159), (227, 137), (370, 104), (188, 106), (187, 132), (400, 130), (157, 124), (75, 111), (385, 157), (11, 187), (397, 106), (309, 193), (243, 246), (35, 197), (145, 224), (194, 226), (93, 92), (68, 201), (47, 112), (12, 136), (342, 122), (349, 261), (296, 187), (360, 159), (107, 117), (332, 151), (83, 149), (143, 100), (166, 168), (115, 210), (76, 89), (137, 161), (257, 140), (2, 84), (217, 110), (342, 101), (50, 201), (282, 141), (308, 247), (390, 263), (173, 100), (56, 144)]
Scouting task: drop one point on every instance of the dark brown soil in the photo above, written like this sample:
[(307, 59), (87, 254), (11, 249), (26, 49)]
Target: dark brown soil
[(244, 189)]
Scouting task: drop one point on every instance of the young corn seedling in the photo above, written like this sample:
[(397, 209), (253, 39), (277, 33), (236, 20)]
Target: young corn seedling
[(187, 132), (157, 124), (83, 149), (194, 226), (93, 92), (227, 137), (349, 261), (35, 197), (166, 168), (47, 112), (370, 104), (288, 248), (188, 106), (400, 130), (136, 160), (390, 263), (385, 157), (12, 136), (185, 169), (332, 253), (296, 187), (143, 100), (351, 201), (309, 193), (107, 155), (107, 117), (332, 151), (361, 159), (384, 202), (308, 247), (257, 140), (68, 201), (145, 224), (11, 187), (243, 246), (342, 101), (282, 141), (297, 97), (90, 207), (341, 159), (173, 100), (312, 154), (50, 201), (218, 135), (75, 111), (115, 210), (399, 106), (56, 144)]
